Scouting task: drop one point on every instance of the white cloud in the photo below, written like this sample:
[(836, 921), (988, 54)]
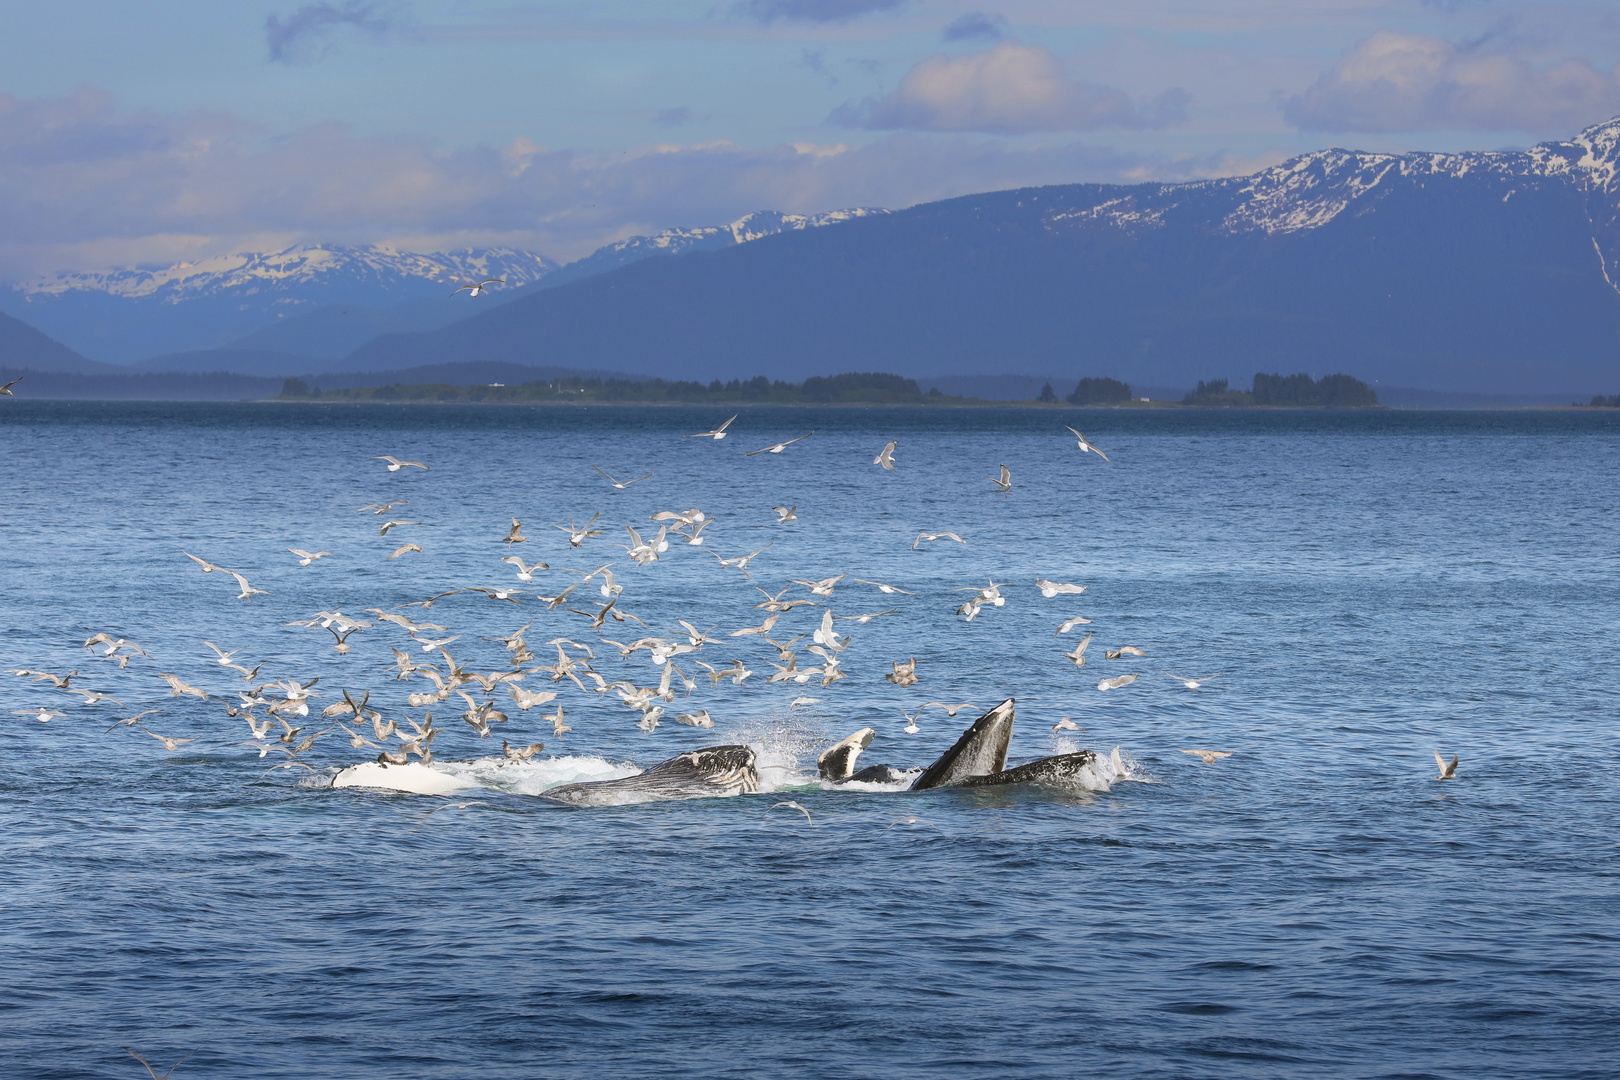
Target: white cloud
[(1406, 82), (85, 182), (1010, 89)]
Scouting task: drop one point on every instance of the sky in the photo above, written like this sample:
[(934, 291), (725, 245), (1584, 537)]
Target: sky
[(148, 134)]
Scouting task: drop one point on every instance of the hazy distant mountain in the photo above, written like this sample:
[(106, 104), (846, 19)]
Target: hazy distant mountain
[(321, 301), (126, 315), (336, 330), (1486, 272), (24, 348)]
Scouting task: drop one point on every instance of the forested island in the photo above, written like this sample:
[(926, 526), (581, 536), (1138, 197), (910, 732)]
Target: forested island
[(1287, 391)]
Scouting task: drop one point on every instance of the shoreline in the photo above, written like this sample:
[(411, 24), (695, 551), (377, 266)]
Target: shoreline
[(1155, 406)]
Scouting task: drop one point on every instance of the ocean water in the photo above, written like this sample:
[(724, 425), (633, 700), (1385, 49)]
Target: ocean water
[(1366, 588)]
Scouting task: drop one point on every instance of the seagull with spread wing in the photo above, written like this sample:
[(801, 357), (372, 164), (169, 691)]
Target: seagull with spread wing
[(577, 536), (1087, 447), (394, 464), (616, 484), (717, 434), (777, 448), (931, 537)]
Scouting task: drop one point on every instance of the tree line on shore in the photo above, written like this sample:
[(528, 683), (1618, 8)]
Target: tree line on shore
[(850, 388), (1331, 391)]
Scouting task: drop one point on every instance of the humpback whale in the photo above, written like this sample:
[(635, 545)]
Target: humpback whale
[(710, 773), (977, 759)]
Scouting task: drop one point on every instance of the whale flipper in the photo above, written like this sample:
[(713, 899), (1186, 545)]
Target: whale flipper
[(837, 763), (711, 773), (981, 751)]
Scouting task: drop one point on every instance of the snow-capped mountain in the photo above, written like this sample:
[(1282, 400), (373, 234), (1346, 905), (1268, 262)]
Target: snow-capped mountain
[(320, 301), (753, 226), (129, 314), (1310, 191), (1489, 272), (295, 276)]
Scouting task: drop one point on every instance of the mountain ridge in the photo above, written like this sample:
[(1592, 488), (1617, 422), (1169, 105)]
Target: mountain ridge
[(1487, 271), (323, 300)]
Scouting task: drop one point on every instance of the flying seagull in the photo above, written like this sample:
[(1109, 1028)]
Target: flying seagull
[(1447, 771), (1085, 446), (1192, 684), (1209, 757), (883, 588), (171, 745), (791, 805), (577, 536), (931, 537), (615, 483), (479, 289), (717, 434), (148, 1064), (1116, 682), (778, 447), (885, 457), (6, 389), (394, 464), (307, 557), (1004, 484)]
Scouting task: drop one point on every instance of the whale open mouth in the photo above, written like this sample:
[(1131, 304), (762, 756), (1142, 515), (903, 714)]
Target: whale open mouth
[(715, 772)]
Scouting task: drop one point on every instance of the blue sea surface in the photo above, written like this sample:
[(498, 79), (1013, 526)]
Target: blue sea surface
[(1366, 587)]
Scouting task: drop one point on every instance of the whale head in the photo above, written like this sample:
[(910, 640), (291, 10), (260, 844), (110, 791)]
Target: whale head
[(837, 763)]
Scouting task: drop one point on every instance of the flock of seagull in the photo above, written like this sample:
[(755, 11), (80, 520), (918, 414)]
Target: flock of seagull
[(283, 718)]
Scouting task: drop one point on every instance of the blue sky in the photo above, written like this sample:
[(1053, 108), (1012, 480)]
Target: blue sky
[(156, 132)]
